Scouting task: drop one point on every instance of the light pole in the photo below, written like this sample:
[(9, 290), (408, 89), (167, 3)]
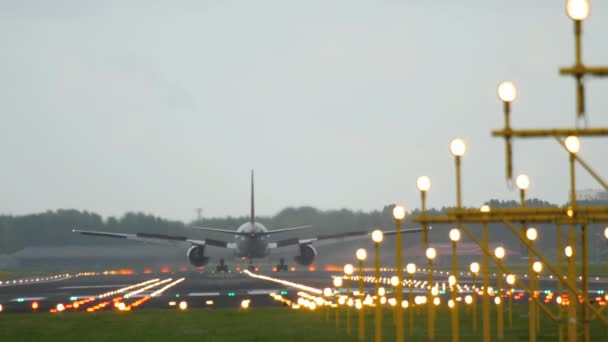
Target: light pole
[(423, 183), (431, 254), (507, 92), (361, 255), (499, 252), (338, 285), (377, 237), (531, 235), (455, 237), (537, 267), (399, 215), (458, 148), (411, 269), (348, 270), (474, 268), (511, 281), (606, 236)]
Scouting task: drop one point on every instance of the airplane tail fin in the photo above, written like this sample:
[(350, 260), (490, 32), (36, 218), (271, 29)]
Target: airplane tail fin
[(252, 215)]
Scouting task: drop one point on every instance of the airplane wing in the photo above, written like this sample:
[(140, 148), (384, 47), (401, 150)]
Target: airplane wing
[(159, 239), (232, 232), (282, 230), (323, 240)]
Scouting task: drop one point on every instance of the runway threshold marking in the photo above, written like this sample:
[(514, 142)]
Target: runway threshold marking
[(203, 294)]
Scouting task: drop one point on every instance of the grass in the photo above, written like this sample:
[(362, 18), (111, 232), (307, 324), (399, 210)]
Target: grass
[(261, 324)]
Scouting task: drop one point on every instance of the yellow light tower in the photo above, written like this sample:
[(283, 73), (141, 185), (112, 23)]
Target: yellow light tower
[(399, 215), (377, 237), (507, 92), (474, 268), (431, 254), (337, 284), (458, 148), (327, 293), (411, 269), (361, 255), (423, 184), (538, 268), (455, 237), (578, 10), (531, 235), (511, 282), (348, 271), (499, 252)]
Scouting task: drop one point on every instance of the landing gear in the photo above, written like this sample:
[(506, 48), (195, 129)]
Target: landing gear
[(251, 266), (282, 266), (222, 267)]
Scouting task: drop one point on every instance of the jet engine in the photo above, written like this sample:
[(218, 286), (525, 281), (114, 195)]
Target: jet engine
[(196, 256), (307, 255)]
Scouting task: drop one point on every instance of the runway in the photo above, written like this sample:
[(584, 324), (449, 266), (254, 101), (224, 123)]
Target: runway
[(91, 292), (160, 290)]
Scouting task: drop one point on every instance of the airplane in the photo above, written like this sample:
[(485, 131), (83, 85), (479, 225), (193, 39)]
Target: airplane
[(252, 240)]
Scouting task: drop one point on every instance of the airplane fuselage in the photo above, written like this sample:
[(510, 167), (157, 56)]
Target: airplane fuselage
[(254, 246)]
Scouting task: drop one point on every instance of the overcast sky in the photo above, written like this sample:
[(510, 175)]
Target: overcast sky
[(165, 106)]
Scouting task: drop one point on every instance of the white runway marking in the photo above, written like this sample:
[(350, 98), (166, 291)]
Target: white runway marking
[(27, 299), (203, 294), (89, 287)]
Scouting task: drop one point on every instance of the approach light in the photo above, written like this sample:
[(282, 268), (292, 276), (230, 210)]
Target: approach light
[(405, 304), (434, 291), (381, 291), (573, 144), (532, 234), (499, 252), (377, 236), (455, 234), (327, 292), (537, 266), (578, 9), (349, 269), (522, 181), (35, 305), (497, 300), (485, 208), (245, 304), (474, 267), (452, 280), (510, 279), (451, 304), (60, 307), (507, 91), (568, 251), (183, 305), (411, 268), (361, 254), (431, 253), (399, 212), (458, 147), (394, 281), (468, 299), (423, 183), (338, 282), (606, 232)]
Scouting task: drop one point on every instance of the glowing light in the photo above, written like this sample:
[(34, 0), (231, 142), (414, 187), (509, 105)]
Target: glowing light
[(523, 182), (35, 305), (474, 267), (532, 234), (394, 281), (348, 269), (361, 254), (405, 304), (499, 252), (606, 232), (458, 147), (245, 304), (455, 234), (468, 299), (358, 305), (436, 301), (452, 280), (510, 279), (537, 266), (377, 236), (60, 307), (183, 305), (327, 292), (507, 91), (338, 282), (578, 9), (381, 291), (485, 208), (434, 291), (573, 144), (399, 212), (121, 306), (431, 253), (451, 303), (1, 308), (423, 183), (410, 268), (497, 300), (392, 302)]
